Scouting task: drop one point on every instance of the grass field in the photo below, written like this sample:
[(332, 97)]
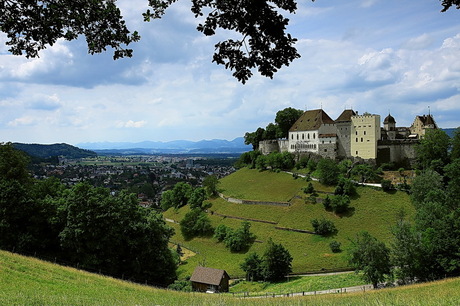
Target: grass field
[(28, 281), (372, 210)]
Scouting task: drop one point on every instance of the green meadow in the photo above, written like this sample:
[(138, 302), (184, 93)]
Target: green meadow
[(371, 209), (29, 281)]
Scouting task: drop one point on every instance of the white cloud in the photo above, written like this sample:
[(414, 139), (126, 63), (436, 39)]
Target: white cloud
[(132, 124)]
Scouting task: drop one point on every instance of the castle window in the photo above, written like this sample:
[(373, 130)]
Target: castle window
[(356, 139), (297, 136), (308, 136), (325, 150), (356, 152), (361, 139), (314, 135), (364, 132), (303, 136), (356, 132)]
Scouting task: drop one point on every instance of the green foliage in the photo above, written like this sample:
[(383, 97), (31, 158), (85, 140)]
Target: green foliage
[(370, 256), (365, 172), (221, 232), (302, 163), (428, 181), (340, 204), (178, 196), (13, 164), (335, 246), (53, 150), (197, 197), (181, 285), (455, 152), (276, 262), (254, 138), (272, 131), (324, 227), (386, 185), (248, 159), (195, 223), (328, 171), (327, 203), (238, 240), (345, 187), (309, 188), (286, 118), (276, 161), (262, 162), (432, 151), (210, 184), (253, 267)]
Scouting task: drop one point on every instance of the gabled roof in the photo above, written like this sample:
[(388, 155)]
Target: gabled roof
[(208, 275), (426, 119), (311, 120), (346, 115)]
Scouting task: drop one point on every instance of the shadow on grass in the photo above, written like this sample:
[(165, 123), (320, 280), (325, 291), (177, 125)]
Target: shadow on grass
[(347, 214)]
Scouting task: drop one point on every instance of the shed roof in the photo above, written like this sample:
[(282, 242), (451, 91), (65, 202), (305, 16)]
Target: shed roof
[(311, 120), (208, 275)]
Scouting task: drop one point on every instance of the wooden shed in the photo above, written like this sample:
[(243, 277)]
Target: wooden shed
[(208, 279)]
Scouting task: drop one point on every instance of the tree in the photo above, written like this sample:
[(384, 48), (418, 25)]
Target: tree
[(253, 266), (241, 239), (428, 181), (276, 262), (210, 185), (408, 253), (272, 131), (195, 223), (197, 197), (340, 204), (286, 118), (335, 246), (324, 227), (345, 187), (432, 151), (254, 138), (13, 164), (455, 152), (221, 232), (176, 197), (364, 172), (370, 256), (328, 171)]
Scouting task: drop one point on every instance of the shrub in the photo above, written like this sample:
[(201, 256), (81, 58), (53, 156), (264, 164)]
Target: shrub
[(323, 227), (387, 185), (221, 232), (328, 172), (340, 203), (195, 223), (309, 188), (327, 203), (345, 187), (335, 246)]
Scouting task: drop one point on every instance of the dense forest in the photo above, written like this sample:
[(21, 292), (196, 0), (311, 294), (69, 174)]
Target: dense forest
[(53, 150)]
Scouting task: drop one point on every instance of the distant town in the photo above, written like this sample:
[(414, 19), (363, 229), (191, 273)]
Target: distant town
[(145, 175)]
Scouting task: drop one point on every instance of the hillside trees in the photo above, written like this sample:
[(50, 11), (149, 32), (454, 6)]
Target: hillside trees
[(328, 171), (195, 223), (286, 118), (238, 240), (370, 256), (82, 225), (274, 265), (432, 151), (210, 184), (176, 197)]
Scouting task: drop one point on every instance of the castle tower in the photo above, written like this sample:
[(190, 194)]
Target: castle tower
[(389, 124), (365, 132)]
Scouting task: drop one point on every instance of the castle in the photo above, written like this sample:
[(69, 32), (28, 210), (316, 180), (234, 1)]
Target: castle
[(351, 136)]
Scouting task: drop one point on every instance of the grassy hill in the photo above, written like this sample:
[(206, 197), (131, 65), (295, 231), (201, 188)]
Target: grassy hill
[(28, 281), (372, 210)]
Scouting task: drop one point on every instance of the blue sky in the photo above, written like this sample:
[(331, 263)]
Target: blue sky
[(377, 56)]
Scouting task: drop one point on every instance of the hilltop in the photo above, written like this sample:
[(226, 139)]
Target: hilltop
[(53, 150)]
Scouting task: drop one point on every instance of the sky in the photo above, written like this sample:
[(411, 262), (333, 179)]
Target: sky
[(376, 56)]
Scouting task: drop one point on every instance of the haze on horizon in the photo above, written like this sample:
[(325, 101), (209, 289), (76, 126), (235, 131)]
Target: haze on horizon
[(377, 56)]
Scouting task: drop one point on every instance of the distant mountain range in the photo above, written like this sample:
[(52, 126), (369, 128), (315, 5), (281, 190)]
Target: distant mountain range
[(171, 147)]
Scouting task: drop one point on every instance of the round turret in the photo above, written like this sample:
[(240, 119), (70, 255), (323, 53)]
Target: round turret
[(389, 119)]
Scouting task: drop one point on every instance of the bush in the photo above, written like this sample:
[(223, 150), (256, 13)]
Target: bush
[(387, 185), (221, 232), (327, 203), (340, 203), (309, 188), (181, 285), (335, 246), (328, 172), (195, 223), (324, 227), (345, 187)]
